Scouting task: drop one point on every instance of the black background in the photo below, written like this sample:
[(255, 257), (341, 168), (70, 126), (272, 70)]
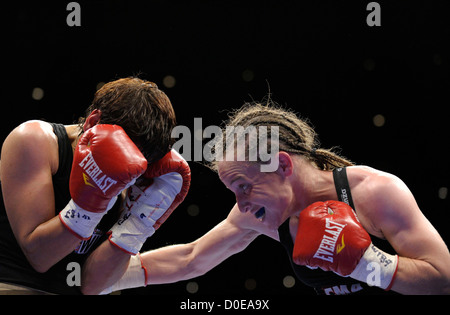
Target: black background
[(319, 58)]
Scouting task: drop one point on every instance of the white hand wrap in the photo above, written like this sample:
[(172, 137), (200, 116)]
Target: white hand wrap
[(80, 222), (376, 268), (143, 207)]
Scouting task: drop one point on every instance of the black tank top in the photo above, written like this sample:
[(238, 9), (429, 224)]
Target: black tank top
[(14, 267), (327, 282)]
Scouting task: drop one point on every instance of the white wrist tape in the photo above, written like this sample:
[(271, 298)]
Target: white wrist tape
[(376, 268), (143, 209), (130, 234), (79, 221), (135, 276)]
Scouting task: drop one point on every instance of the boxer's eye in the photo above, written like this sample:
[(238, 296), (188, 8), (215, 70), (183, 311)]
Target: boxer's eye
[(245, 188)]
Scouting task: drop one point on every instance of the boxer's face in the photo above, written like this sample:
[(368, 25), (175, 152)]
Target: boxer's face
[(255, 189)]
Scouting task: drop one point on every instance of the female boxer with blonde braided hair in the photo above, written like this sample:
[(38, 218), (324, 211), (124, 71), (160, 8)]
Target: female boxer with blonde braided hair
[(312, 199), (295, 135)]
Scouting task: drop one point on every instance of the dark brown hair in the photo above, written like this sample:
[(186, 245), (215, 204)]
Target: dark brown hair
[(296, 135), (141, 109)]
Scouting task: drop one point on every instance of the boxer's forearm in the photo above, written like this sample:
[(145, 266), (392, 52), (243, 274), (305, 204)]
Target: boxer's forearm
[(105, 273), (47, 244), (420, 277), (103, 268), (187, 261)]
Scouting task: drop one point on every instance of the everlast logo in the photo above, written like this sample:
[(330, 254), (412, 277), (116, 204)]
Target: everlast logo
[(328, 243), (96, 174)]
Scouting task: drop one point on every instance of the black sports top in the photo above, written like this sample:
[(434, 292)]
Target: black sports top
[(327, 282), (61, 278)]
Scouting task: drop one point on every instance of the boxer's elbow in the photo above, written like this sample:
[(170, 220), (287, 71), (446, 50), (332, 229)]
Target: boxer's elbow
[(200, 260), (440, 286), (193, 263), (36, 259), (39, 267), (446, 288), (441, 278), (445, 284), (173, 263), (438, 281)]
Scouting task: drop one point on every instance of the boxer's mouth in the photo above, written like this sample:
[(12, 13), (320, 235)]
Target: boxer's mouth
[(260, 213)]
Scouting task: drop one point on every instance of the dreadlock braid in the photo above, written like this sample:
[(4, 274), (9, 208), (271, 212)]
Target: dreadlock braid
[(296, 136)]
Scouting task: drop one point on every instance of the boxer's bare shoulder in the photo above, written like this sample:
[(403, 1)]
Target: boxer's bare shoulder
[(372, 190), (32, 142)]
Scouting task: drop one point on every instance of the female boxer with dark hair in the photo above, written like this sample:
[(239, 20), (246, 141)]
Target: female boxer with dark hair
[(362, 227), (58, 182)]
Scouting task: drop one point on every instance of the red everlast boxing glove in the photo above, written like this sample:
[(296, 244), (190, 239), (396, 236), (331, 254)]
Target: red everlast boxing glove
[(105, 162), (150, 201), (330, 237)]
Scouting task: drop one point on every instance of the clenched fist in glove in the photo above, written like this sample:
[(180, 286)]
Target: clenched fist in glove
[(150, 201), (105, 162), (330, 236)]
